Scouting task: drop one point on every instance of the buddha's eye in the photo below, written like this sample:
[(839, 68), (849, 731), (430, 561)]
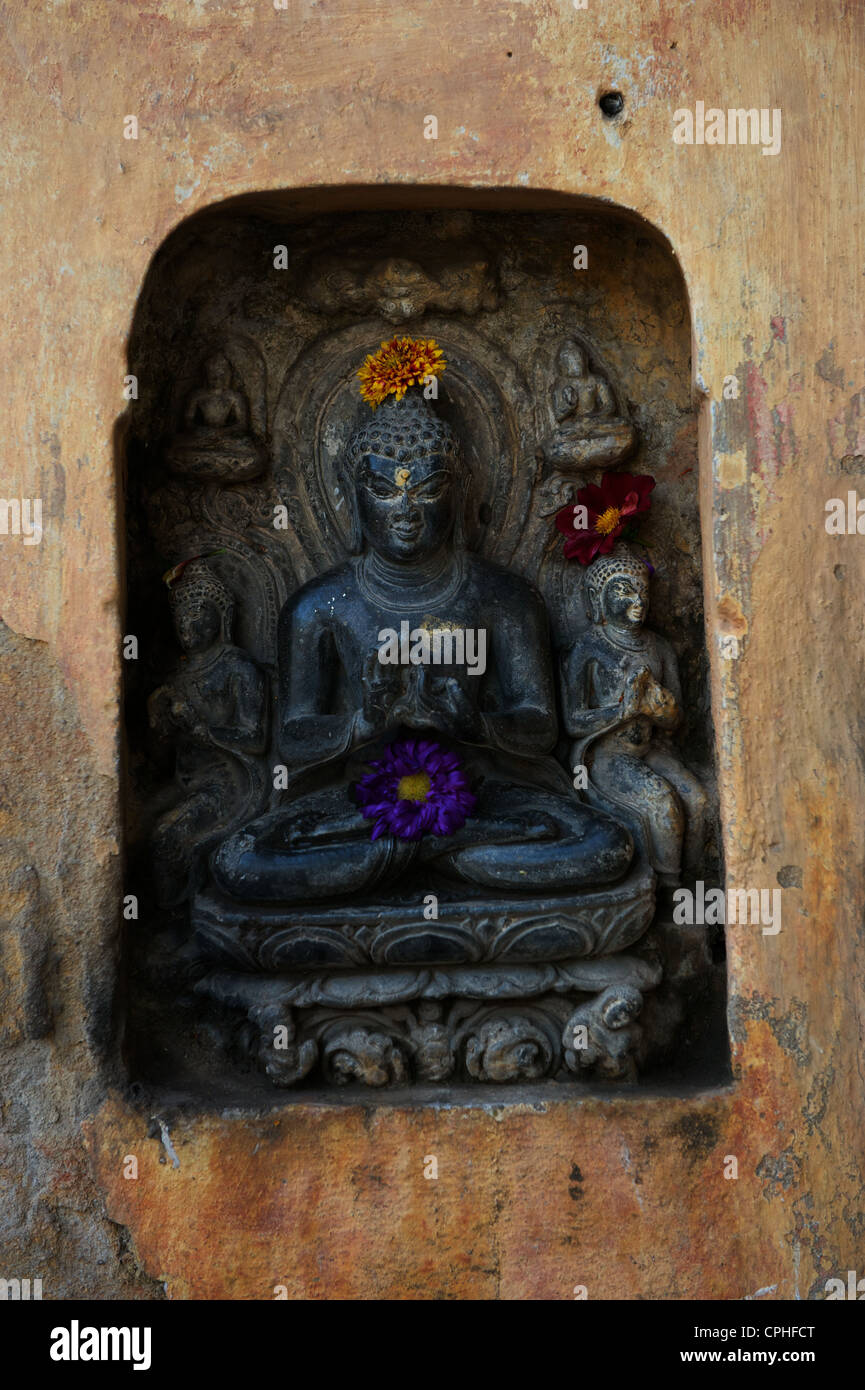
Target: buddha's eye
[(379, 488), (431, 490)]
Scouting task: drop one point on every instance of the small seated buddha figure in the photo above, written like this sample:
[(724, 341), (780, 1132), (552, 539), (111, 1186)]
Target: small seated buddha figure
[(341, 707), (621, 699), (217, 406), (216, 442), (588, 432), (214, 710), (577, 391)]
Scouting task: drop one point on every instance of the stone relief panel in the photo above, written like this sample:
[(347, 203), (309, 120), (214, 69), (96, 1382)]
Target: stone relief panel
[(420, 745)]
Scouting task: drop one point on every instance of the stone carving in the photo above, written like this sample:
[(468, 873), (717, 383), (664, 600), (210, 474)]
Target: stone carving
[(435, 1057), (343, 991), (456, 279), (525, 870), (216, 443), (285, 1060), (589, 432), (522, 869), (510, 1047), (602, 1035), (214, 710), (363, 1054), (621, 699), (405, 483), (477, 928), (306, 846), (450, 1030)]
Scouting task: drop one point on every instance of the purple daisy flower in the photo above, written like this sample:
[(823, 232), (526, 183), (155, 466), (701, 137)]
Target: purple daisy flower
[(415, 788)]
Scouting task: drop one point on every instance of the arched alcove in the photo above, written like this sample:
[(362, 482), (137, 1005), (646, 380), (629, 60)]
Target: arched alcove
[(252, 323)]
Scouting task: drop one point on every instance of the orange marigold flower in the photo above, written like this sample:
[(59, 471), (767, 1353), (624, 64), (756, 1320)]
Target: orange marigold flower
[(399, 364)]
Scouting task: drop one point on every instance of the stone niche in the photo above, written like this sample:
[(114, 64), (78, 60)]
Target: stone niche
[(541, 947)]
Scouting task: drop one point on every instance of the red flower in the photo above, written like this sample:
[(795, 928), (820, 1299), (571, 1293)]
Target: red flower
[(609, 508)]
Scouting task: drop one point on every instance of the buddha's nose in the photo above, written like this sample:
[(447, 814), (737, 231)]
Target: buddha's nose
[(406, 508)]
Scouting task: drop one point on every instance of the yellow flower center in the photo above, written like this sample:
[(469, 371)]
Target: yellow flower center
[(414, 787), (608, 521)]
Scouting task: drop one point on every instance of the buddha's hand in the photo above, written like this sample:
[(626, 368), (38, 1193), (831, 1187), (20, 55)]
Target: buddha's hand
[(381, 688), (444, 705)]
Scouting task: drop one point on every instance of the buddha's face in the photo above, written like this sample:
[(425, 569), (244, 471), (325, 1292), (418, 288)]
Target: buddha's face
[(197, 626), (571, 360), (625, 602), (218, 373), (406, 510)]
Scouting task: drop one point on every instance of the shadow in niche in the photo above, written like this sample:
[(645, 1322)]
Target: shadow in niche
[(251, 324)]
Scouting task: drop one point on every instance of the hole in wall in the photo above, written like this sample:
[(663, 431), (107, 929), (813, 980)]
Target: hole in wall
[(611, 104)]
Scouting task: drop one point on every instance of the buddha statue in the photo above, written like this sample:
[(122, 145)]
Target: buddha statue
[(216, 443), (217, 406), (476, 796), (588, 432), (577, 391), (621, 699), (214, 710)]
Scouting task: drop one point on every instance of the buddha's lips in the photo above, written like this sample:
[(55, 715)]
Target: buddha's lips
[(415, 788)]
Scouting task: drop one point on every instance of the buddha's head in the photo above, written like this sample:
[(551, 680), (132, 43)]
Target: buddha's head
[(217, 372), (404, 479), (571, 359), (202, 608), (617, 586)]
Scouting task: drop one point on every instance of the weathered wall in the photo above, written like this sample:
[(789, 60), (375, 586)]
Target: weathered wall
[(235, 98)]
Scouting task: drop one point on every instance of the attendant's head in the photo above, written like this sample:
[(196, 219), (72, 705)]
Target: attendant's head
[(202, 608), (617, 586)]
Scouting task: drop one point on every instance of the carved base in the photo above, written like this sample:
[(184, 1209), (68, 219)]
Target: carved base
[(591, 442), (360, 933), (494, 1023), (216, 457)]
